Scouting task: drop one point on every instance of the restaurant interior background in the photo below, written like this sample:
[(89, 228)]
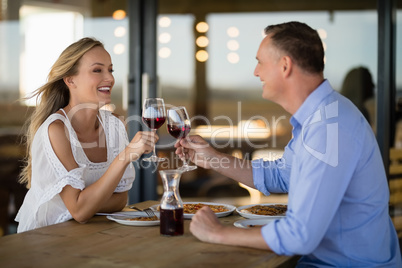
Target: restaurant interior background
[(205, 58)]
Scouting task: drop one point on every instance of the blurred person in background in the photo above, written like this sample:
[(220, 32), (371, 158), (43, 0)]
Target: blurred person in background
[(358, 86)]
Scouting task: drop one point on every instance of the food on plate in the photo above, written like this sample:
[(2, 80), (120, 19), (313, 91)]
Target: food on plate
[(268, 210), (193, 208), (154, 218), (253, 225)]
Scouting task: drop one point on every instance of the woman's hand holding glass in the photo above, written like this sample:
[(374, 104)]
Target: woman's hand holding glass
[(154, 116), (142, 143)]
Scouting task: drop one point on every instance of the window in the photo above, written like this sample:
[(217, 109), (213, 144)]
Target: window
[(46, 33)]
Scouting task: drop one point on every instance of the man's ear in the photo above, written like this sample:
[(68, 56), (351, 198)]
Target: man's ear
[(69, 81), (287, 66)]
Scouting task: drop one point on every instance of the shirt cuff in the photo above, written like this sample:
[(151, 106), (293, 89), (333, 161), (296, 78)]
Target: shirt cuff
[(259, 176), (271, 236)]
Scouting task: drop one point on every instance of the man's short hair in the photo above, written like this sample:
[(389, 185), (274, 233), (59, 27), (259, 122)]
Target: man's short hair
[(302, 44)]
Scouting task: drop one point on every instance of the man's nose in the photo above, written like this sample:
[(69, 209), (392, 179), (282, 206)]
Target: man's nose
[(256, 71)]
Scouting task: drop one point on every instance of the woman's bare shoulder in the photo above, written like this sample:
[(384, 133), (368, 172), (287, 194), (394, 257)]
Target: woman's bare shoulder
[(58, 135), (60, 141)]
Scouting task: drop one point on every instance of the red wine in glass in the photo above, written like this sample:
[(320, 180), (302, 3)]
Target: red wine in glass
[(179, 125), (154, 116), (171, 222), (178, 131), (154, 123)]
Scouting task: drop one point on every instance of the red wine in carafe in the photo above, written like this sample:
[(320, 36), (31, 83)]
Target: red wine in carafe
[(178, 131), (154, 123), (171, 222)]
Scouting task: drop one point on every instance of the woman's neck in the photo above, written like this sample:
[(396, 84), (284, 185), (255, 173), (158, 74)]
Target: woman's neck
[(83, 118)]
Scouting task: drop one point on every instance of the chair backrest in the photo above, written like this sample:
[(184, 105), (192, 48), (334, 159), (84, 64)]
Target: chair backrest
[(395, 157), (395, 188)]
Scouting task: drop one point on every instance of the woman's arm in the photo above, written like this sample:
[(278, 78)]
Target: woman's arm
[(115, 203), (83, 204)]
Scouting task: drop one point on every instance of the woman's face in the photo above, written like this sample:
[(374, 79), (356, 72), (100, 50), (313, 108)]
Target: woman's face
[(94, 81)]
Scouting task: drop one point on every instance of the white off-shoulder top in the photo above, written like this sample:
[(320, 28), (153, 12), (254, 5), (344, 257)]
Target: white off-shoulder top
[(43, 205)]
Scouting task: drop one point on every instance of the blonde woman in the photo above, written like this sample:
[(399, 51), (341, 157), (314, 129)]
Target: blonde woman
[(79, 157)]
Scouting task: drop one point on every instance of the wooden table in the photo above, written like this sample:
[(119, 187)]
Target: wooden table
[(104, 243)]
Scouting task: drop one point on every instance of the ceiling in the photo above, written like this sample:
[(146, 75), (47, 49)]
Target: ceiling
[(103, 8), (230, 6)]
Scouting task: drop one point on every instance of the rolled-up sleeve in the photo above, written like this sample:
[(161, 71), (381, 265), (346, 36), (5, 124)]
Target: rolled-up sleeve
[(272, 176)]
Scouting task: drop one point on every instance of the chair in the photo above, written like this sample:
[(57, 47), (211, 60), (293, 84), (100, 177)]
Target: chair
[(11, 192), (395, 188)]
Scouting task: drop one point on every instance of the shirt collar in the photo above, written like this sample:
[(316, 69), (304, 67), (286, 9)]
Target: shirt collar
[(311, 103)]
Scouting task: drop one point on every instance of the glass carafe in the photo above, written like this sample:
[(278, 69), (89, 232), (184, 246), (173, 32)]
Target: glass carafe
[(171, 207)]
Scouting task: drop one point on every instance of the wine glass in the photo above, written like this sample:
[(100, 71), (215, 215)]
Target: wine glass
[(179, 125), (154, 115)]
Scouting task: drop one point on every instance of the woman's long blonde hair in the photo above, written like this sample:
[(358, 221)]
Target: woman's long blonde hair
[(53, 95)]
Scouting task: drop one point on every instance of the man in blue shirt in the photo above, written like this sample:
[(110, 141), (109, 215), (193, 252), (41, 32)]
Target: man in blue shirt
[(331, 169)]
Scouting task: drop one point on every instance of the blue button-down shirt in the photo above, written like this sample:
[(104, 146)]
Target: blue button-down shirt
[(337, 188)]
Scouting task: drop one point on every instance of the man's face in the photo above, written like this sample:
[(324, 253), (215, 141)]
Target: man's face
[(268, 69)]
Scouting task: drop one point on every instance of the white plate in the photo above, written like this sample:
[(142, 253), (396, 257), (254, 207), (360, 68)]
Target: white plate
[(230, 209), (250, 223), (254, 216), (132, 214)]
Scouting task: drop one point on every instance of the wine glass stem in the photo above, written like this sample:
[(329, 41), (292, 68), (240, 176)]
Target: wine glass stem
[(154, 151), (185, 163)]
